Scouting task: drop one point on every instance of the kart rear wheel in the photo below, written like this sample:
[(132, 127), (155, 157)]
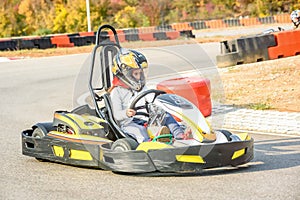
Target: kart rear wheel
[(124, 144), (38, 133)]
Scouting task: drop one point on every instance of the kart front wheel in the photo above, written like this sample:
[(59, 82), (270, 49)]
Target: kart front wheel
[(38, 133), (124, 144), (230, 137)]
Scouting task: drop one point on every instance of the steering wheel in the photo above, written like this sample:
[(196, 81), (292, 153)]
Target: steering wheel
[(142, 95)]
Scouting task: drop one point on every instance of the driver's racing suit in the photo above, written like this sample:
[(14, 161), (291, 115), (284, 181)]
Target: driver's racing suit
[(121, 98)]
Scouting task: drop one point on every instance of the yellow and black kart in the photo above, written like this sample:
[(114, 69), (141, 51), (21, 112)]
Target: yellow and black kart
[(89, 136)]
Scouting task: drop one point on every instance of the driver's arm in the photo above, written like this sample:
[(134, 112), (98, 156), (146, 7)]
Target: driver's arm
[(120, 98)]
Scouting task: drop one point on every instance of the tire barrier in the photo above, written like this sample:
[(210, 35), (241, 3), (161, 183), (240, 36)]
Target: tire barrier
[(61, 41), (168, 31), (185, 29), (147, 37), (43, 43), (146, 33), (216, 24), (250, 21), (198, 25), (267, 20), (88, 38), (282, 18), (26, 43), (8, 45), (131, 34), (182, 27), (183, 87), (172, 35), (232, 22), (245, 50), (288, 44)]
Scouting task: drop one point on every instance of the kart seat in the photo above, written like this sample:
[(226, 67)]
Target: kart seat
[(110, 118)]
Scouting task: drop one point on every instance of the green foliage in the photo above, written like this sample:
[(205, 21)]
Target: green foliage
[(28, 17), (101, 13), (130, 17), (42, 32), (260, 106), (59, 23), (185, 10), (75, 16)]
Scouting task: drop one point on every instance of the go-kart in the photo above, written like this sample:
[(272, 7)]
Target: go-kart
[(90, 136)]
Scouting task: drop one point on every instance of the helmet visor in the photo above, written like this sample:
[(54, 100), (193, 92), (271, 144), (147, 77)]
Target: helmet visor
[(135, 78)]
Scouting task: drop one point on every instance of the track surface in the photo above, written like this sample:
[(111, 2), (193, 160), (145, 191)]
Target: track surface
[(32, 89)]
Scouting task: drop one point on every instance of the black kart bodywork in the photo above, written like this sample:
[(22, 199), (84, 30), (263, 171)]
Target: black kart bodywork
[(90, 137)]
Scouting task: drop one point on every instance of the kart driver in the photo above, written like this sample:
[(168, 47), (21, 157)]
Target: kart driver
[(129, 80), (295, 17)]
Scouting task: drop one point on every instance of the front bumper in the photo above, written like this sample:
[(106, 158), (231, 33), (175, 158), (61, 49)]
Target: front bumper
[(179, 159), (173, 159)]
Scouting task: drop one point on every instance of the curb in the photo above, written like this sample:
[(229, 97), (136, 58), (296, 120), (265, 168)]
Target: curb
[(266, 121), (8, 59)]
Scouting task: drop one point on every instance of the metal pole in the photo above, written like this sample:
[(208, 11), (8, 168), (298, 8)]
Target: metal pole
[(88, 15)]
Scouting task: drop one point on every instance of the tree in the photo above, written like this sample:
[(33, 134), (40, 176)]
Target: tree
[(130, 17), (155, 10), (75, 18), (186, 10), (11, 23), (102, 12), (60, 18), (37, 15), (28, 17)]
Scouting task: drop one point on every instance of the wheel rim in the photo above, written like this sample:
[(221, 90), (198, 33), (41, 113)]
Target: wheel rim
[(119, 149)]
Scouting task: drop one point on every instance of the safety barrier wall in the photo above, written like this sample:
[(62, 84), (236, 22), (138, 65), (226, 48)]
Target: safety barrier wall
[(288, 44), (250, 21), (284, 18), (245, 50), (223, 23), (168, 31), (85, 38), (259, 48), (215, 24)]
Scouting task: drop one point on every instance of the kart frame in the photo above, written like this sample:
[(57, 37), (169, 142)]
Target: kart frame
[(96, 152)]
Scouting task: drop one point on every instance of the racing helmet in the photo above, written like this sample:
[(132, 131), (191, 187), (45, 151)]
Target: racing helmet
[(295, 17), (125, 63)]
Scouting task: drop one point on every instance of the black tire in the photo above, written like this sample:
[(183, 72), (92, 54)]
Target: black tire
[(38, 133), (124, 144), (227, 134)]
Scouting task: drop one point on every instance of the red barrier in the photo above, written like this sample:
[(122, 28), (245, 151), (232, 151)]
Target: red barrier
[(146, 33), (249, 21), (173, 34), (215, 24), (181, 27), (120, 33), (150, 29), (87, 34), (194, 89), (288, 44), (61, 41), (282, 18), (146, 36)]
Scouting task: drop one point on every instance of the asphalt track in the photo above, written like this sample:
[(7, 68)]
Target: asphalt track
[(32, 89)]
